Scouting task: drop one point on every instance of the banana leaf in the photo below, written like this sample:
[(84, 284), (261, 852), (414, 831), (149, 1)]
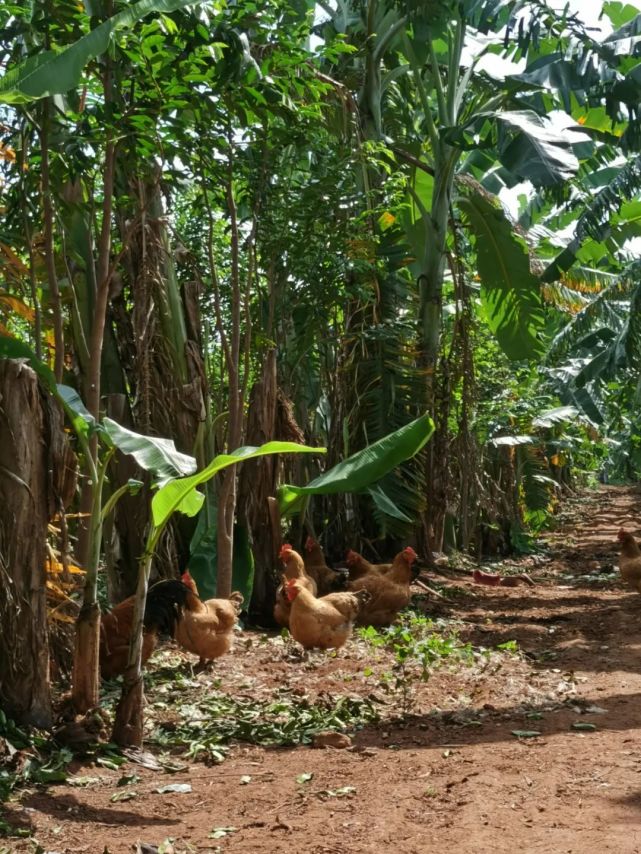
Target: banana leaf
[(510, 292), (362, 469), (151, 453), (182, 494)]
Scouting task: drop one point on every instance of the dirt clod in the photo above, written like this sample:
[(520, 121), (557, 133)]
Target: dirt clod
[(327, 738)]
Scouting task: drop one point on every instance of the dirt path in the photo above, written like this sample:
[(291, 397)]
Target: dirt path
[(452, 777)]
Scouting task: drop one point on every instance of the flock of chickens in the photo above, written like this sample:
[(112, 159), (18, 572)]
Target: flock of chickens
[(319, 606)]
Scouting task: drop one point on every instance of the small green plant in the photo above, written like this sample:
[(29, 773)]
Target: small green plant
[(509, 646), (419, 645)]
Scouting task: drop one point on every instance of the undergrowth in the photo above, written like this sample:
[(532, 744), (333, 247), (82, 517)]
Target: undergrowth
[(420, 645), (204, 727)]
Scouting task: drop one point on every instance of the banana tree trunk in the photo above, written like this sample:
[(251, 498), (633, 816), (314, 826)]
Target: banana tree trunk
[(128, 724), (37, 473)]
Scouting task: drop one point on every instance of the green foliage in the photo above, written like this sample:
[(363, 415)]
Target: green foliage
[(51, 72), (45, 763), (419, 645), (363, 468), (210, 723), (183, 495), (510, 293)]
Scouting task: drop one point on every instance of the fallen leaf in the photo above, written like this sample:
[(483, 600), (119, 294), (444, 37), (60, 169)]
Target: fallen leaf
[(220, 832), (179, 788), (584, 726), (83, 781), (142, 757), (174, 767), (343, 792), (128, 779), (129, 795), (525, 733), (304, 778), (111, 762), (245, 779)]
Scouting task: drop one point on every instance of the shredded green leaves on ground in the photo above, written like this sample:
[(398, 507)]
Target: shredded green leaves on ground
[(204, 727)]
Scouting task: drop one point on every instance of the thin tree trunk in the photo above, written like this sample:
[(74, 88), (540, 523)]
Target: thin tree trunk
[(227, 494), (86, 683), (257, 482), (47, 207), (430, 314), (128, 725)]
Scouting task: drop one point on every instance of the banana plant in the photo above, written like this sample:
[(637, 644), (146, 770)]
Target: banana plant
[(429, 108), (175, 495)]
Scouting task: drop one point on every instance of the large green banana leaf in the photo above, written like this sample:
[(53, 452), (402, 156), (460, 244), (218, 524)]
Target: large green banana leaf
[(182, 494), (537, 152), (151, 453), (54, 73), (362, 469), (510, 292)]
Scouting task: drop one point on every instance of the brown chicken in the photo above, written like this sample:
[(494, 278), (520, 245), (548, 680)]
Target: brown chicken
[(294, 568), (165, 601), (327, 579), (388, 593), (206, 628), (630, 560), (358, 567), (324, 623)]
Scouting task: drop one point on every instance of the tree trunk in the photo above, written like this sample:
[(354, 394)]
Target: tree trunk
[(37, 477), (257, 482), (128, 725), (270, 418)]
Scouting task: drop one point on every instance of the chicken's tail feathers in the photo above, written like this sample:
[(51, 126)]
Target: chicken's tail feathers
[(164, 607)]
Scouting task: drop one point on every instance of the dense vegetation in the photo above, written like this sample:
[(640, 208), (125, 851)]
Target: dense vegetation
[(231, 223)]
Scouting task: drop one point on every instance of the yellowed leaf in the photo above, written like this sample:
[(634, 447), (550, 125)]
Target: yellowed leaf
[(15, 264), (386, 219), (55, 566), (18, 306), (62, 618), (7, 153)]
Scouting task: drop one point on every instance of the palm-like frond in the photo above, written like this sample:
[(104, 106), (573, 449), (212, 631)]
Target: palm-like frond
[(606, 310), (536, 486), (594, 222)]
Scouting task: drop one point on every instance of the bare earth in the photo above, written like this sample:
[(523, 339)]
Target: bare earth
[(451, 776)]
